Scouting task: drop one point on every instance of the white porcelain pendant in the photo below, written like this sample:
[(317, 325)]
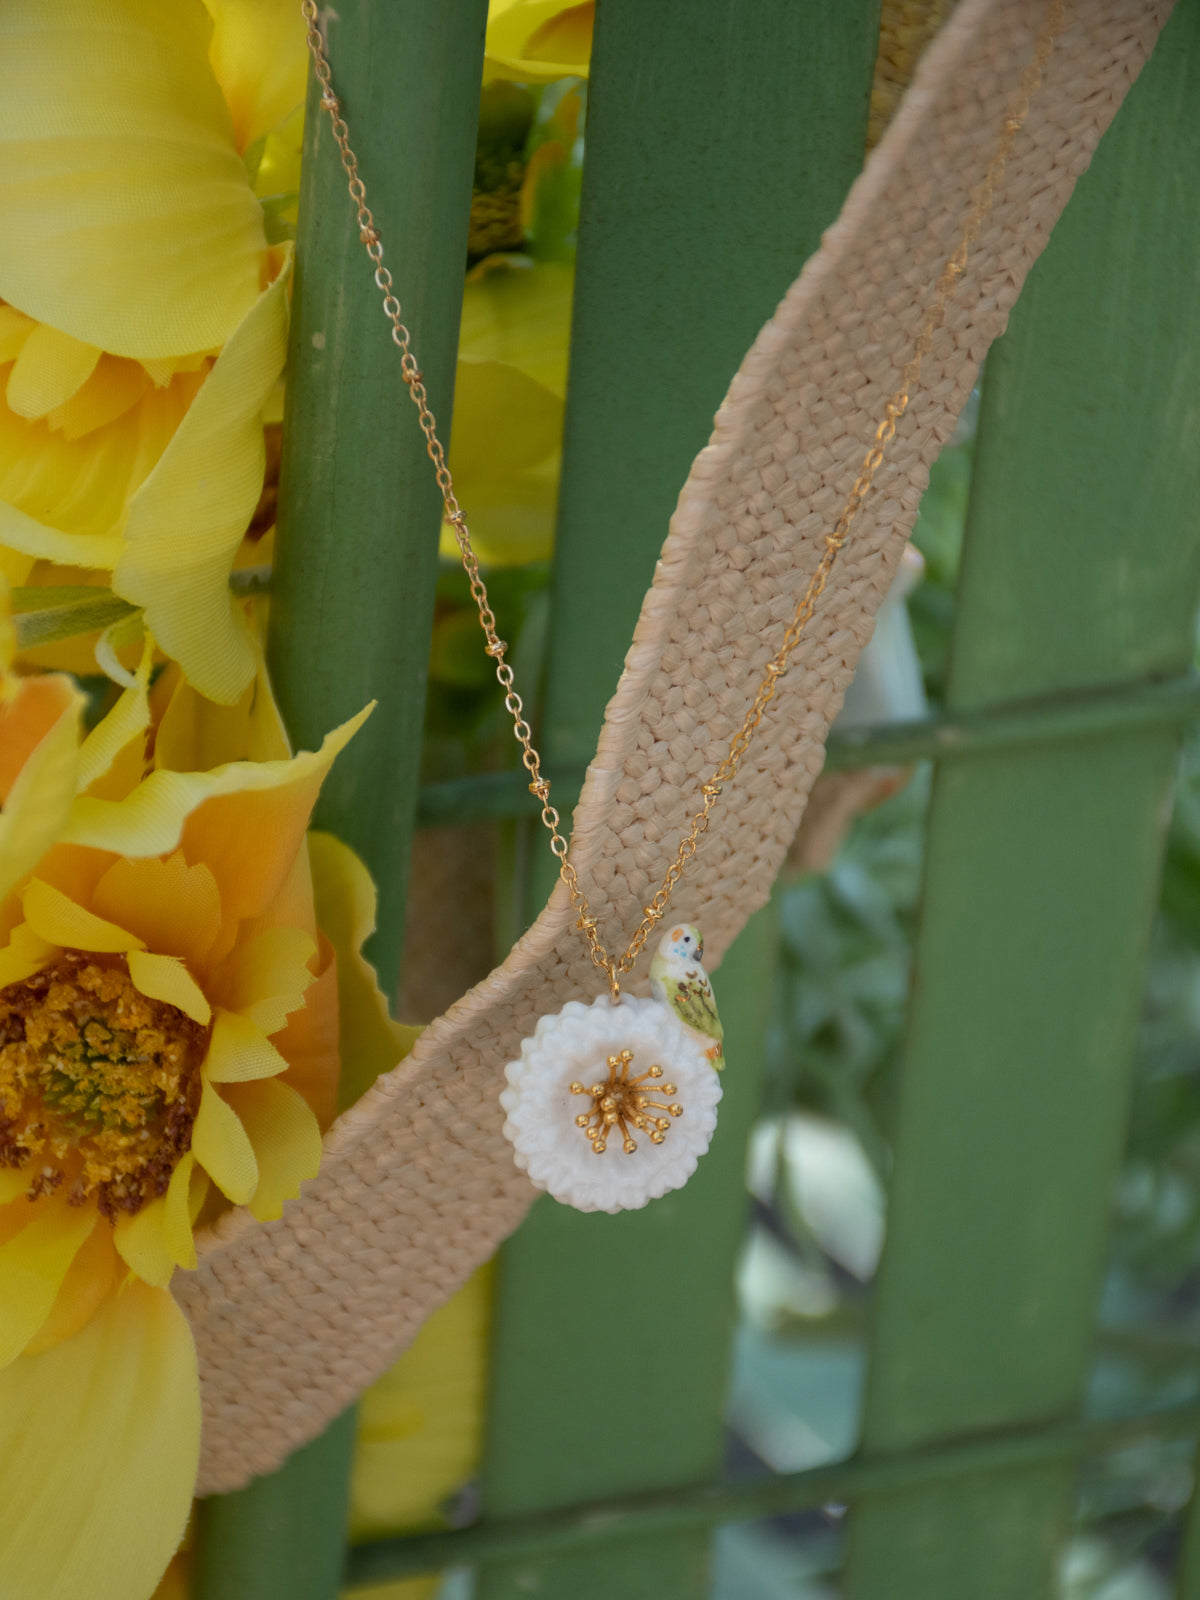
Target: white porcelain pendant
[(610, 1106)]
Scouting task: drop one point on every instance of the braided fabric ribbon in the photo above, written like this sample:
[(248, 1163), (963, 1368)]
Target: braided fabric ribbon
[(293, 1318)]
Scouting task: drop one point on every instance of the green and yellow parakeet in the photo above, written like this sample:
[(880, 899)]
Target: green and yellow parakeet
[(677, 976)]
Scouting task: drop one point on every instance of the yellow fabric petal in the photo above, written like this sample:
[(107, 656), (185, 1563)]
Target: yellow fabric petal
[(258, 56), (505, 445), (128, 720), (174, 908), (536, 41), (90, 1278), (15, 328), (564, 39), (99, 1446), (420, 1426), (38, 804), (195, 735), (32, 538), (23, 955), (397, 1589), (76, 872), (33, 1266), (29, 708), (142, 1242), (174, 1583), (188, 518), (254, 843), (238, 1052), (369, 1041), (55, 917), (503, 420), (149, 822), (13, 1181), (513, 514), (520, 316), (14, 567), (158, 1238), (166, 978), (291, 901), (309, 1042), (222, 1147), (264, 979), (129, 221), (182, 1201), (127, 770), (49, 370), (79, 485), (286, 1141), (114, 388)]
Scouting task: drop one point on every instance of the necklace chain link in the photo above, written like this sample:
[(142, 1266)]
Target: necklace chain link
[(614, 968)]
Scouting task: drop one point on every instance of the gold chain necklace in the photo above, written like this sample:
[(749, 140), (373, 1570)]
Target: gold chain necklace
[(620, 1103)]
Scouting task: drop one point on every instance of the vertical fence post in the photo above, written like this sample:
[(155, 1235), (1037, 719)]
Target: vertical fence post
[(1188, 1586), (721, 140), (1081, 568), (352, 591)]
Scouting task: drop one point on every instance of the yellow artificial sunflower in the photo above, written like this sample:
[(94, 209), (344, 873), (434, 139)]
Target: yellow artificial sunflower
[(510, 389), (536, 41), (169, 1045), (143, 308)]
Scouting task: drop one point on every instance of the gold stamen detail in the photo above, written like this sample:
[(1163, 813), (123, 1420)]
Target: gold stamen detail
[(622, 1103)]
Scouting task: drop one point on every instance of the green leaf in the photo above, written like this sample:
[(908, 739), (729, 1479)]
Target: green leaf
[(46, 615), (279, 216)]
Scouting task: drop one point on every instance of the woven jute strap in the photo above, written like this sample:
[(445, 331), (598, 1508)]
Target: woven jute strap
[(417, 1185)]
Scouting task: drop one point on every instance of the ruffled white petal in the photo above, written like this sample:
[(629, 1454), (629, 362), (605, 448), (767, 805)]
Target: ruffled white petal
[(574, 1046)]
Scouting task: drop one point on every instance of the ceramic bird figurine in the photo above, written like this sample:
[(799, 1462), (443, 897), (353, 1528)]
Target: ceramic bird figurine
[(677, 976)]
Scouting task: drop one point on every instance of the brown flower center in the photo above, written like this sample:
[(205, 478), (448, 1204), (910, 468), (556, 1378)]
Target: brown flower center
[(99, 1085)]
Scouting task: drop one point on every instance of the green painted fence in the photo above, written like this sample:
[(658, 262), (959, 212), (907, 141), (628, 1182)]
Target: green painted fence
[(722, 136), (1081, 569)]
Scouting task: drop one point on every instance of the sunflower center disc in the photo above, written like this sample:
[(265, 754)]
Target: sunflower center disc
[(98, 1083)]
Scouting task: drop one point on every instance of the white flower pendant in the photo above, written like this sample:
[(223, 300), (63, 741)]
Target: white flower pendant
[(611, 1105)]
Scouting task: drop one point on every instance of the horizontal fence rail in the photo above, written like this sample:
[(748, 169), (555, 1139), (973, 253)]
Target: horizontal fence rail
[(494, 796), (709, 1504)]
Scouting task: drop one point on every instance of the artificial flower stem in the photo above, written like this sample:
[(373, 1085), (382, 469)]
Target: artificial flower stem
[(352, 591), (360, 512)]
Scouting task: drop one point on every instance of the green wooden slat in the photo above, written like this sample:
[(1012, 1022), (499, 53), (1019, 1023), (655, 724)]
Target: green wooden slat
[(605, 1522), (352, 596), (1156, 703), (1081, 568), (1188, 1585), (284, 1537), (360, 511), (722, 136)]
